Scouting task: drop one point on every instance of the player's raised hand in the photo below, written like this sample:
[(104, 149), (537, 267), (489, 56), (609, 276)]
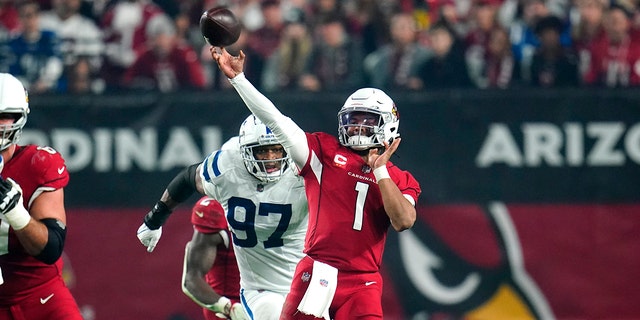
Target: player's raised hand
[(149, 238), (11, 205), (376, 160), (230, 65)]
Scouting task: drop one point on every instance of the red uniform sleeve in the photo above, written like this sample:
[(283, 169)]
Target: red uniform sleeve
[(207, 216), (36, 168), (405, 181)]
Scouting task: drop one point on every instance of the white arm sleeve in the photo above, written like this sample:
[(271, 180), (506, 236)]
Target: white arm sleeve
[(290, 135)]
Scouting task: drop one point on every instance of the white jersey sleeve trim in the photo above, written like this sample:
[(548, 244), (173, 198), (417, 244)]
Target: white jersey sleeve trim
[(290, 135), (410, 198)]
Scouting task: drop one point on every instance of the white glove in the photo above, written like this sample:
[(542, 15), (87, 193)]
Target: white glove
[(224, 308), (149, 238), (11, 205), (237, 312)]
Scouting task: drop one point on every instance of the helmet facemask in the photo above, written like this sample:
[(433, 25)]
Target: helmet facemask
[(256, 138), (368, 119), (10, 133), (359, 129), (267, 170), (14, 105)]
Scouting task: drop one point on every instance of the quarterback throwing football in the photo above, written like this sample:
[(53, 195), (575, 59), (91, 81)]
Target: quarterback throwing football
[(355, 193)]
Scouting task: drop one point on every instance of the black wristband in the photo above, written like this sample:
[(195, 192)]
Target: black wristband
[(157, 216)]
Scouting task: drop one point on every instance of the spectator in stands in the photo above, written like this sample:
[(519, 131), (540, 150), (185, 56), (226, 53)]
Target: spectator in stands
[(79, 36), (286, 65), (447, 11), (552, 65), (83, 78), (322, 9), (587, 30), (9, 19), (166, 64), (336, 61), (446, 67), (497, 68), (263, 42), (482, 22), (392, 65), (523, 38), (615, 59), (124, 26), (370, 25), (33, 55)]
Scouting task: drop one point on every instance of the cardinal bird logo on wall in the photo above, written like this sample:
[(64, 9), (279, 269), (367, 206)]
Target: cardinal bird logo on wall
[(458, 274)]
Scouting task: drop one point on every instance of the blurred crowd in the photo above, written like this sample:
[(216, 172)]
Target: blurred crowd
[(98, 46)]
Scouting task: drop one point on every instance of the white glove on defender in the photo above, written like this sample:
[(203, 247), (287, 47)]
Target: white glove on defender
[(149, 238), (226, 310), (237, 312)]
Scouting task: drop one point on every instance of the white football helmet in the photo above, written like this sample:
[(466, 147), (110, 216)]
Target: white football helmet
[(14, 103), (368, 101), (254, 133)]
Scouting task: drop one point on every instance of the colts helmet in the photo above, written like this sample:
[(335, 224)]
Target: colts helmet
[(371, 101), (254, 133), (14, 103)]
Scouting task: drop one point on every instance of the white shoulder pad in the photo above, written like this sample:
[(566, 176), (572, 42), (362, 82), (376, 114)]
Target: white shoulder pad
[(219, 162)]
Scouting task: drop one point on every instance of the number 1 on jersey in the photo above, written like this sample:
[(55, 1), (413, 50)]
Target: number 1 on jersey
[(362, 189)]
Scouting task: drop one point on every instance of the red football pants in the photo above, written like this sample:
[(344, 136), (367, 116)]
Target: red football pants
[(358, 295), (51, 302)]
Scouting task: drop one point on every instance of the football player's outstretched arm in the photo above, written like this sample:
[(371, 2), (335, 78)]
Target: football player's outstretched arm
[(199, 256), (289, 134), (183, 185)]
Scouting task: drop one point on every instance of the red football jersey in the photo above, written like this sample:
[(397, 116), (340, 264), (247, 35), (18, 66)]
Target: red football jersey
[(347, 221), (614, 65), (208, 216), (35, 169), (179, 69)]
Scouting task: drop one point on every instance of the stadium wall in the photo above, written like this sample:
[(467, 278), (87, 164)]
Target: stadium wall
[(529, 208)]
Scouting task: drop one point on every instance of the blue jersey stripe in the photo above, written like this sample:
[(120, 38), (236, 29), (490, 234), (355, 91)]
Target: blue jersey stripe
[(243, 300), (216, 170), (205, 171)]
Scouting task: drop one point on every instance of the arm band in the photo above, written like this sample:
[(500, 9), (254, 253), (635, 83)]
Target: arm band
[(381, 173), (157, 216), (53, 249), (184, 184)]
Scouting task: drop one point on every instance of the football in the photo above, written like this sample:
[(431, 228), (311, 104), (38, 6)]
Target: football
[(220, 27)]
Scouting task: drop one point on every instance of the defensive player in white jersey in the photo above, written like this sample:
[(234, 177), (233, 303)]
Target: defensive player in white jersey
[(266, 209)]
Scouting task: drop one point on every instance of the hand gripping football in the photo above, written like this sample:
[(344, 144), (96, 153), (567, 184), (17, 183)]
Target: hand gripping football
[(220, 27)]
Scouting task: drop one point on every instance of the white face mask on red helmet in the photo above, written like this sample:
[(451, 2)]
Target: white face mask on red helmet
[(369, 135), (14, 101), (253, 133)]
